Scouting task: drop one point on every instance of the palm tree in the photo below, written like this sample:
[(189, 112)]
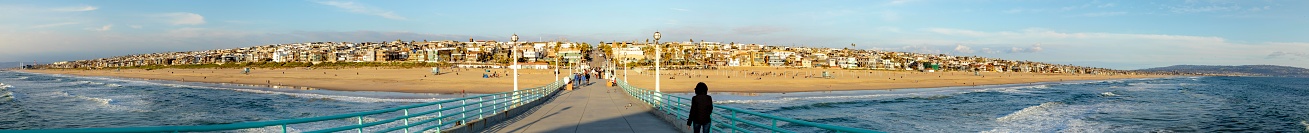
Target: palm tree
[(461, 50), (647, 50), (555, 49)]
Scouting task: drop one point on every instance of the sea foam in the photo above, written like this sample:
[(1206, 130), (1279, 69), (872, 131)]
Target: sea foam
[(1108, 94), (1306, 125), (1053, 117), (6, 96)]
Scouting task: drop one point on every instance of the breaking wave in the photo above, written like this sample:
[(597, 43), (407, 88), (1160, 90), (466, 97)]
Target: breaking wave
[(1306, 125), (6, 96), (1108, 94), (250, 90), (1030, 113)]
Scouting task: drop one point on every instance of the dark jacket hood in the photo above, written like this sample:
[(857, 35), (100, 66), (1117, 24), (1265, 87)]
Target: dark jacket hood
[(701, 89)]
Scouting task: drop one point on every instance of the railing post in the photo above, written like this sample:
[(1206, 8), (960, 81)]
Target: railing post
[(667, 106), (463, 107), (360, 122), (479, 106), (774, 123), (439, 114), (733, 120), (513, 99), (677, 104), (407, 119), (283, 128)]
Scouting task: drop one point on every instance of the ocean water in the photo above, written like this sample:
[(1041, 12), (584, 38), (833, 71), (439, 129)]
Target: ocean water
[(44, 101), (1180, 104)]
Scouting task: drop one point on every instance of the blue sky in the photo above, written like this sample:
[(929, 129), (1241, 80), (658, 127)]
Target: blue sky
[(1128, 34)]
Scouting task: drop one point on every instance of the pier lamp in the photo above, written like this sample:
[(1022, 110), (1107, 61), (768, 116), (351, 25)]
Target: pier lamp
[(658, 58), (513, 52)]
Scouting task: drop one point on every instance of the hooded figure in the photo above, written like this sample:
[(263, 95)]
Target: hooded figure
[(701, 106)]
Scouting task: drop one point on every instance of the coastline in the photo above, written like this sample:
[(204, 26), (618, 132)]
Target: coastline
[(355, 79), (421, 80), (782, 80)]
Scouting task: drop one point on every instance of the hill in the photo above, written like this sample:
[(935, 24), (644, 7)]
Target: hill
[(10, 64), (1245, 70)]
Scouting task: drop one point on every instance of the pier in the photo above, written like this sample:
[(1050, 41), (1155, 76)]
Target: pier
[(590, 109)]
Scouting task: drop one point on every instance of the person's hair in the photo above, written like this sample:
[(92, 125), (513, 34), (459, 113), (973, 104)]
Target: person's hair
[(701, 89)]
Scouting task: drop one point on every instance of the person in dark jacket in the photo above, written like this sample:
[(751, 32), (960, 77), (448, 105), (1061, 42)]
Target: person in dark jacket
[(701, 106)]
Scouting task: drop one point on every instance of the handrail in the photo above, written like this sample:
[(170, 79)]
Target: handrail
[(675, 106), (497, 102)]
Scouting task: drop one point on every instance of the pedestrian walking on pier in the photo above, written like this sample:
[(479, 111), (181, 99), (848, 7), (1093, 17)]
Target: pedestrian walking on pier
[(701, 106)]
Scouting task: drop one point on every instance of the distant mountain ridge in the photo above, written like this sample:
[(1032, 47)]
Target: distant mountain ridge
[(1244, 70), (10, 64)]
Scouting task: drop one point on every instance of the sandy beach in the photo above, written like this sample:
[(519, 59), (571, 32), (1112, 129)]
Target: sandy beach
[(417, 80), (738, 79)]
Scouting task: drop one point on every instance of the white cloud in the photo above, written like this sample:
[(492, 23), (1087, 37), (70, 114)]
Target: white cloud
[(1256, 9), (76, 9), (889, 29), (897, 2), (990, 51), (963, 49), (1035, 48), (759, 30), (54, 25), (1107, 5), (1015, 10), (184, 18), (1203, 9), (362, 9), (1103, 14), (1288, 55), (1060, 9), (890, 16), (1129, 50), (102, 28), (947, 31), (1070, 8), (672, 22), (920, 49)]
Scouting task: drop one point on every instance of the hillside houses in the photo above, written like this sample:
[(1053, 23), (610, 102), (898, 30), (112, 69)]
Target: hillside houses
[(476, 51), (756, 55), (626, 53)]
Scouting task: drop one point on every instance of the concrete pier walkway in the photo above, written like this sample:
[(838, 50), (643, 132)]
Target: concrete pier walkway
[(592, 109)]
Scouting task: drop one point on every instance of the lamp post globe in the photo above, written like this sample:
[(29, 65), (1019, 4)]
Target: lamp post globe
[(514, 38), (656, 35)]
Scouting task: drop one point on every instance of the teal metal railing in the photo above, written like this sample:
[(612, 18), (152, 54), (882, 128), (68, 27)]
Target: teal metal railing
[(433, 116), (729, 119)]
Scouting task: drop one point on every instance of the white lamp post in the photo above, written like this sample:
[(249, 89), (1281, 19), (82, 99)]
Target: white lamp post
[(513, 50), (658, 58)]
